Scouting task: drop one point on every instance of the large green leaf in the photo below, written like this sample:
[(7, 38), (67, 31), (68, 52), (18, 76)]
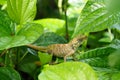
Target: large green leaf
[(94, 17), (52, 25), (99, 57), (26, 35), (68, 71), (49, 38), (31, 31), (5, 23), (21, 11), (7, 73), (2, 2)]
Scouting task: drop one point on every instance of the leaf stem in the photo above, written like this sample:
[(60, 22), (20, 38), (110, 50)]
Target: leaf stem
[(23, 56), (3, 52), (66, 21)]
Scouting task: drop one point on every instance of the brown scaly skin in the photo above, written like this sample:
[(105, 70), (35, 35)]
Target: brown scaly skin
[(61, 50)]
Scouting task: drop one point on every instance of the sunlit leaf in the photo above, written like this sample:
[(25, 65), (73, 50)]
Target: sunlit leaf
[(44, 57), (31, 31), (52, 25), (68, 71), (93, 18), (21, 11), (2, 2), (27, 35)]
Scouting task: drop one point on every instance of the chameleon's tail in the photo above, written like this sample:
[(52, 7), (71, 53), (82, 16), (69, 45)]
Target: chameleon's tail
[(39, 48)]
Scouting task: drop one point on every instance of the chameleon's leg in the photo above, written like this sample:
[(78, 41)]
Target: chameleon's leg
[(65, 57)]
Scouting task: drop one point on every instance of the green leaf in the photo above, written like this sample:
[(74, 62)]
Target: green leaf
[(68, 71), (31, 31), (29, 64), (52, 25), (49, 38), (5, 23), (93, 18), (99, 57), (21, 11), (114, 59), (108, 37), (113, 6), (2, 2), (7, 73), (44, 57), (98, 52), (26, 35), (115, 44), (116, 76), (107, 73)]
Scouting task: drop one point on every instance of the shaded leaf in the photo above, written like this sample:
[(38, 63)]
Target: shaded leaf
[(99, 57), (49, 38), (98, 52), (107, 73), (7, 73), (114, 59), (28, 64), (66, 71), (5, 23)]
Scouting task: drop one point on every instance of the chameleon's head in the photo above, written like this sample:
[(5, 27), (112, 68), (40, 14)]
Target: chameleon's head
[(77, 41)]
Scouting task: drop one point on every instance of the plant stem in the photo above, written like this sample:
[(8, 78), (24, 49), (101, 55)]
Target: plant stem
[(66, 21), (3, 52), (23, 56), (7, 60)]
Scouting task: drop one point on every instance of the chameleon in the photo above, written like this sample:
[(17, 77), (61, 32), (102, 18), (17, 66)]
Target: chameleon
[(61, 50)]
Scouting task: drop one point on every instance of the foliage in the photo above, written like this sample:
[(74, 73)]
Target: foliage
[(94, 17), (7, 73), (80, 71), (9, 38), (2, 2), (97, 19), (21, 11), (52, 25)]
